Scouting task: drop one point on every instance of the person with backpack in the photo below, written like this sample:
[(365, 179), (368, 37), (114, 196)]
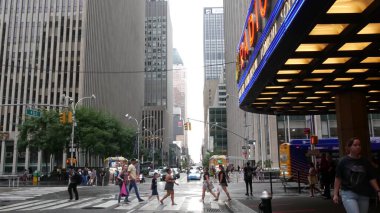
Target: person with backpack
[(248, 175)]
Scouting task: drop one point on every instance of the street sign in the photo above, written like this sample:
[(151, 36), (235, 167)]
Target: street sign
[(33, 113)]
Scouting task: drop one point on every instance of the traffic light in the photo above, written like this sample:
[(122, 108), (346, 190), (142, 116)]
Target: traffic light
[(186, 126), (62, 117), (70, 117)]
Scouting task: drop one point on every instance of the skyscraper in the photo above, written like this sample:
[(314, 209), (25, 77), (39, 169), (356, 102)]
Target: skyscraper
[(214, 88), (213, 38), (158, 99), (75, 48)]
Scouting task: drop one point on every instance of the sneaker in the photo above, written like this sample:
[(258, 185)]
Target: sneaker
[(127, 201), (246, 194), (141, 200)]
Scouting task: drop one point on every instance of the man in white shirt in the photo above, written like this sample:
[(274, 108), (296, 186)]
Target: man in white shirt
[(133, 179)]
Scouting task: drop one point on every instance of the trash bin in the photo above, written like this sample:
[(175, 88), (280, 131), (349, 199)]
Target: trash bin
[(36, 175)]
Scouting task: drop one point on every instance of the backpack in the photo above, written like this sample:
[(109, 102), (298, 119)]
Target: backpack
[(248, 173), (78, 178)]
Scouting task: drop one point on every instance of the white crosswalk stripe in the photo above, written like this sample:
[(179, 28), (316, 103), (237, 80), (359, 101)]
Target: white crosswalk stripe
[(187, 203), (28, 193)]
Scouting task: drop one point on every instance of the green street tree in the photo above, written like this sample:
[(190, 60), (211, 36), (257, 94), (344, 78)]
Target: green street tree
[(96, 133), (44, 133)]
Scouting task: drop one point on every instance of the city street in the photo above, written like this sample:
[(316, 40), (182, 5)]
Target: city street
[(102, 199)]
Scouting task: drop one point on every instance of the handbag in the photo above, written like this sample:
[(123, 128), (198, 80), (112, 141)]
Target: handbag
[(123, 190)]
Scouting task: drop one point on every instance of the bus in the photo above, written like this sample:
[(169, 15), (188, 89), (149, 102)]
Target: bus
[(115, 163), (217, 160), (296, 155)]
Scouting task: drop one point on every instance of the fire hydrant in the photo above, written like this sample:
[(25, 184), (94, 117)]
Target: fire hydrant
[(266, 202)]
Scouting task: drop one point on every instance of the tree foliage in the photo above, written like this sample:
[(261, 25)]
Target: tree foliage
[(95, 132)]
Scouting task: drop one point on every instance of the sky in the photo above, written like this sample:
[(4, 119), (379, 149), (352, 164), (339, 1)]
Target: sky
[(187, 22)]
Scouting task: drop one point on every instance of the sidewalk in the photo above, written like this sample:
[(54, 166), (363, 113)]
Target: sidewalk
[(283, 202)]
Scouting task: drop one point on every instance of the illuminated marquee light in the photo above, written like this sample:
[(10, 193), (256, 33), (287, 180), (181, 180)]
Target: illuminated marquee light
[(250, 33), (281, 16)]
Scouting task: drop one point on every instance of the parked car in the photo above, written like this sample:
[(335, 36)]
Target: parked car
[(194, 174), (151, 172)]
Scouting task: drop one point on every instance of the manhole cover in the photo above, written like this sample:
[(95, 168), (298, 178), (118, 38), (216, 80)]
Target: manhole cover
[(213, 210)]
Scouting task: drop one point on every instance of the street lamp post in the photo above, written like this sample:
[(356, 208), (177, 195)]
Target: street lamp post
[(138, 132), (153, 135), (74, 106)]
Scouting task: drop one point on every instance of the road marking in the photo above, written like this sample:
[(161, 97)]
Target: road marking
[(106, 204), (66, 203), (193, 206), (86, 204), (17, 204), (45, 205), (27, 205)]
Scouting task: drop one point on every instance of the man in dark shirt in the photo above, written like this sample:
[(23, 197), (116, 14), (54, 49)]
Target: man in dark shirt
[(248, 173), (75, 179)]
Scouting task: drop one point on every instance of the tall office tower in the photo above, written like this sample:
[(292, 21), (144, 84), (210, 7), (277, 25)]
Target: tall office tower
[(75, 48), (214, 86), (213, 42), (179, 101), (158, 100)]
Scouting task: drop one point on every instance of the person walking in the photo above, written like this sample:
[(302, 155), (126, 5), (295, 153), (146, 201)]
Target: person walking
[(223, 183), (354, 177), (313, 180), (153, 187), (74, 180), (169, 187), (248, 175), (207, 184), (325, 176), (133, 179), (123, 180)]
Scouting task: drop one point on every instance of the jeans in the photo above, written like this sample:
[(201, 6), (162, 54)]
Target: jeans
[(354, 203), (248, 183), (132, 184)]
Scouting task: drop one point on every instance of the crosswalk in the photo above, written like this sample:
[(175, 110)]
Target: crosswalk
[(32, 192), (184, 203)]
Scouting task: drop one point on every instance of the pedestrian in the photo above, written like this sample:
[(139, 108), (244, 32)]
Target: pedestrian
[(207, 184), (74, 180), (133, 179), (238, 169), (313, 180), (123, 180), (325, 178), (169, 186), (248, 175), (222, 183), (153, 187), (354, 177)]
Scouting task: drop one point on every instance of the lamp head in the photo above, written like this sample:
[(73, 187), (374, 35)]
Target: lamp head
[(93, 96)]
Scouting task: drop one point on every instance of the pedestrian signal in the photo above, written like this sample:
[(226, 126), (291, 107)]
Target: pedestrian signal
[(314, 140), (62, 117)]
